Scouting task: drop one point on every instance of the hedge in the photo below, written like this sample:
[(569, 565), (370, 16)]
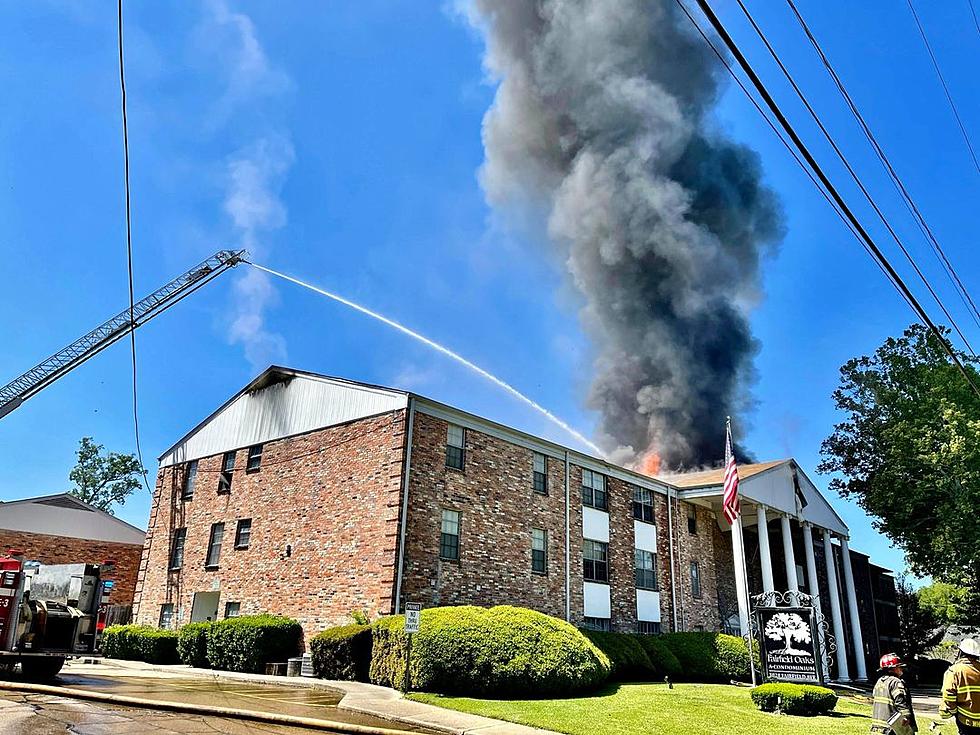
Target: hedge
[(140, 643), (627, 656), (710, 657), (662, 659), (342, 653), (794, 699), (500, 651), (249, 642), (192, 644)]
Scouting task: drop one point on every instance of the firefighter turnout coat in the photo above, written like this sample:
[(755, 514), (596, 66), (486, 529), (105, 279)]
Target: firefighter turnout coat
[(891, 697), (961, 692)]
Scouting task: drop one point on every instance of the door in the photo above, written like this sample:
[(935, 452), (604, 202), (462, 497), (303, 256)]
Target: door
[(205, 607)]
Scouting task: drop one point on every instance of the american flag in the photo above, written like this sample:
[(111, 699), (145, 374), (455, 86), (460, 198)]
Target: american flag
[(730, 506)]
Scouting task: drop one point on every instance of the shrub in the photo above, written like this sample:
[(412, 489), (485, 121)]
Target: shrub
[(500, 651), (192, 644), (628, 658), (662, 659), (342, 653), (711, 656), (794, 699), (249, 642), (140, 643)]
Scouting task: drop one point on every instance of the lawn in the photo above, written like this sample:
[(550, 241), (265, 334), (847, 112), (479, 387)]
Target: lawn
[(653, 709)]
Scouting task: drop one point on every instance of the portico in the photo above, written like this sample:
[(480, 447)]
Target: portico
[(782, 511)]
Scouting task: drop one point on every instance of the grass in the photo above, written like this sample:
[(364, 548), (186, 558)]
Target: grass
[(643, 709)]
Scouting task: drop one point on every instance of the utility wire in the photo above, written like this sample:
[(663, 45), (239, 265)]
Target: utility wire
[(792, 151), (129, 247), (832, 190), (854, 175), (910, 204), (942, 79), (973, 12)]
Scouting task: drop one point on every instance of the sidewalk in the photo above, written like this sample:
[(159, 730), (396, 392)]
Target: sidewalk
[(358, 697)]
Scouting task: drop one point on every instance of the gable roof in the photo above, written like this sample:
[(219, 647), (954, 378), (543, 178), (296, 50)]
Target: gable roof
[(709, 478), (275, 405), (65, 515)]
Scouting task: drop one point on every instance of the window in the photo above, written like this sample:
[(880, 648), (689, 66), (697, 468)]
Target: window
[(645, 627), (455, 442), (539, 551), (692, 520), (227, 468), (643, 504), (254, 463), (233, 609), (177, 548), (449, 538), (167, 615), (214, 544), (243, 533), (695, 579), (190, 479), (596, 623), (595, 567), (540, 473), (646, 569), (594, 489)]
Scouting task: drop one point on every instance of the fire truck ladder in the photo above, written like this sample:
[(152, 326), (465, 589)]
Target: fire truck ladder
[(64, 361)]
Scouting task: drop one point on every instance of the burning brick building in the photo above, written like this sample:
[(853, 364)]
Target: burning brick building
[(316, 497)]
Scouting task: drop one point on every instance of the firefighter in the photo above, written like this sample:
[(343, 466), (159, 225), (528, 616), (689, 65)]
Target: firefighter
[(892, 713), (961, 689)]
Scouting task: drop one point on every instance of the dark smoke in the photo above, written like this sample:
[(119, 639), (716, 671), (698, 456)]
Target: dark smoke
[(602, 119)]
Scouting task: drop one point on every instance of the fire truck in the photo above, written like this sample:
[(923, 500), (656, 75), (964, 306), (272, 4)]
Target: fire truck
[(49, 612)]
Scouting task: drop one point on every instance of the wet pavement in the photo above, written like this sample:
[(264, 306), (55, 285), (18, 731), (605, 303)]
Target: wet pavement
[(39, 714)]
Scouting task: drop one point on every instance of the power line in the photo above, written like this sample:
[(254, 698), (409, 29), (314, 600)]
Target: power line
[(942, 79), (831, 189), (782, 139), (973, 12), (853, 174), (129, 246), (910, 204)]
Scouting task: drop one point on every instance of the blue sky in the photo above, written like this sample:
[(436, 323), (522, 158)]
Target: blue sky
[(340, 142)]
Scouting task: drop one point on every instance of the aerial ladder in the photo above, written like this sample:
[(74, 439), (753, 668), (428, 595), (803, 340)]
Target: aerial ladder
[(65, 360)]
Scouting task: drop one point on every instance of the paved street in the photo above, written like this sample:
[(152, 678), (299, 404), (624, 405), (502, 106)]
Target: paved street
[(34, 714)]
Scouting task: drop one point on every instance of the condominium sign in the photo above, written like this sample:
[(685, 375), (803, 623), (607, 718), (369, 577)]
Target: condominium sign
[(790, 649)]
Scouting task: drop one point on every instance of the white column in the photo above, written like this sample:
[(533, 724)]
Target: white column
[(811, 566), (792, 583), (738, 549), (852, 605), (828, 550), (765, 558)]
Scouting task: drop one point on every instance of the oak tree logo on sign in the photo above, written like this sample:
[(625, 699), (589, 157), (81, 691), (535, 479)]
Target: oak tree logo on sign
[(789, 627)]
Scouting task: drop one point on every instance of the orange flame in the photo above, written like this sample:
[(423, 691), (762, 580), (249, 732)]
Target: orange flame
[(649, 463)]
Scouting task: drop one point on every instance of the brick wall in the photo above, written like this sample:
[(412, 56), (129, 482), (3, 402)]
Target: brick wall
[(65, 550), (702, 611), (494, 493), (331, 496)]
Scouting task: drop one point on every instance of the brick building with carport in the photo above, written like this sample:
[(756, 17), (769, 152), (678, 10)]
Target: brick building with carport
[(61, 529), (316, 497)]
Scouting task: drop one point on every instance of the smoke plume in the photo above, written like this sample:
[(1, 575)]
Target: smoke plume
[(602, 121)]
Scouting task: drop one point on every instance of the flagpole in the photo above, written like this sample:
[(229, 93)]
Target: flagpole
[(738, 552)]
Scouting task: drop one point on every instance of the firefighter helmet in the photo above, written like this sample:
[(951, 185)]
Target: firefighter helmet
[(890, 661), (970, 647)]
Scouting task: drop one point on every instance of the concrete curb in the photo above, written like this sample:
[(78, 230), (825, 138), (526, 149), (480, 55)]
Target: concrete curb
[(199, 709), (360, 698)]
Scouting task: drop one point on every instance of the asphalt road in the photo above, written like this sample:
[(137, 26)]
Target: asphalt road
[(39, 714)]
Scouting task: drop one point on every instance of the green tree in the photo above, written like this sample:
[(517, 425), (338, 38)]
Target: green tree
[(909, 452), (918, 625), (950, 603), (102, 479)]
